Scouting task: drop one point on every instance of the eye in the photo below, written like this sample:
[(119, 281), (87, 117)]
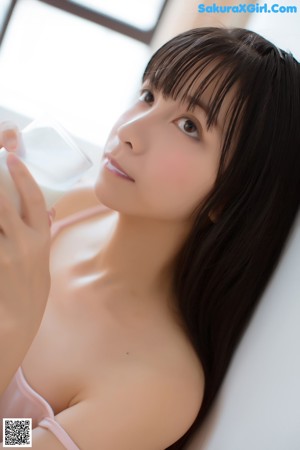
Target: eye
[(188, 127), (146, 96)]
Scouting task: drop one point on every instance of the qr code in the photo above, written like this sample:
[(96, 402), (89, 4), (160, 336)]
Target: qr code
[(17, 432)]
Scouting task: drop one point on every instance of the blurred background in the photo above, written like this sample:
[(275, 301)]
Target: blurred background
[(81, 61)]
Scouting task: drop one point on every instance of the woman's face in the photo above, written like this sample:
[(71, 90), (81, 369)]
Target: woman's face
[(169, 153)]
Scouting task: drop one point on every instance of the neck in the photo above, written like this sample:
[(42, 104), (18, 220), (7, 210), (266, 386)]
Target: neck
[(139, 254)]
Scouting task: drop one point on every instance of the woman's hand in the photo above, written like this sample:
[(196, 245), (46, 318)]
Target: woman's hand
[(24, 251), (10, 136), (24, 269)]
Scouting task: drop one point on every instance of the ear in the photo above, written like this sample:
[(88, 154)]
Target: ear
[(213, 216)]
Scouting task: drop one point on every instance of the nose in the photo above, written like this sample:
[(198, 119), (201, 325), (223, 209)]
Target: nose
[(133, 133)]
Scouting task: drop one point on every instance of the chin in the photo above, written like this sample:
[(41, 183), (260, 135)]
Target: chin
[(103, 197), (108, 196)]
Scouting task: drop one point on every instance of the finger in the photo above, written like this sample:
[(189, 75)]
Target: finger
[(9, 216), (9, 136), (33, 204), (51, 215)]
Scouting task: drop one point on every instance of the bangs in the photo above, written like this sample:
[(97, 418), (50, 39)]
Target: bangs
[(185, 67)]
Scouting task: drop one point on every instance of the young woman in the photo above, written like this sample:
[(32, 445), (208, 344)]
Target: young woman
[(155, 272)]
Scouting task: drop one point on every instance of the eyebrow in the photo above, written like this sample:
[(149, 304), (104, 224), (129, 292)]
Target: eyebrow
[(200, 104), (190, 99)]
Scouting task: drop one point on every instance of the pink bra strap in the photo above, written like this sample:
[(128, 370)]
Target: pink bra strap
[(59, 432), (76, 217)]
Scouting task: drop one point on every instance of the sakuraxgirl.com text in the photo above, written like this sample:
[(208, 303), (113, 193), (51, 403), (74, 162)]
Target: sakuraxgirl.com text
[(247, 8)]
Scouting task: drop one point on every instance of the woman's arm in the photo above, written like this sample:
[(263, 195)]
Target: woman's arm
[(24, 269)]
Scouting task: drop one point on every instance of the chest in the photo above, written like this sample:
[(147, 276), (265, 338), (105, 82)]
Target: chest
[(90, 329), (72, 342)]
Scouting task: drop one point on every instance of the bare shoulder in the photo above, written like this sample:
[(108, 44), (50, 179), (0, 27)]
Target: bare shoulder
[(80, 198), (136, 407)]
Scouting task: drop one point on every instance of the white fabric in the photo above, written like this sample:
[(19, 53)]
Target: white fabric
[(258, 407)]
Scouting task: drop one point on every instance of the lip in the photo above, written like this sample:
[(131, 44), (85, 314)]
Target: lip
[(117, 166)]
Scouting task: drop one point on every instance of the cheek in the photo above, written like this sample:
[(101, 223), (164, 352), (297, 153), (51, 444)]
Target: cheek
[(180, 180), (174, 186), (174, 169)]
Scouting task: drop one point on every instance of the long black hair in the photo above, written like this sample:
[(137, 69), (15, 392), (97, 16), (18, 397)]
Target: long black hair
[(226, 263)]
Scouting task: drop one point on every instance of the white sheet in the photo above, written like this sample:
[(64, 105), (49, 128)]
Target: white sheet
[(258, 407)]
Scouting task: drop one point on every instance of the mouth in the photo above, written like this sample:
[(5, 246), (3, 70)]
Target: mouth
[(114, 167)]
